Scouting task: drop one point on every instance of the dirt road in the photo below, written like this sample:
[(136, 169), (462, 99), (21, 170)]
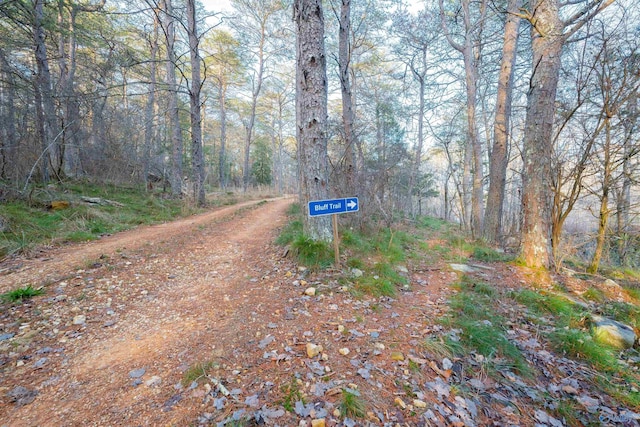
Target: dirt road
[(109, 345)]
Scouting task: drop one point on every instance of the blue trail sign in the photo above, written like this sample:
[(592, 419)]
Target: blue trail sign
[(333, 206)]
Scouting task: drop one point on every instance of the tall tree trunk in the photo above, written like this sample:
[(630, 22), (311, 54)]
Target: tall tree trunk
[(8, 132), (46, 116), (197, 156), (174, 112), (348, 116), (150, 106), (255, 94), (414, 177), (538, 140), (470, 50), (603, 217), (548, 36), (223, 137), (500, 151), (624, 198), (311, 112)]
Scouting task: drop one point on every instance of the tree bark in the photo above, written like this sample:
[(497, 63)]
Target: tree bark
[(500, 151), (46, 116), (470, 50), (150, 106), (9, 133), (548, 36), (311, 112), (348, 116), (197, 157), (174, 112), (603, 215), (547, 42)]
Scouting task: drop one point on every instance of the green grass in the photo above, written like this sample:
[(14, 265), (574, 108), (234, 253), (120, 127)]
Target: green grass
[(622, 312), (432, 223), (580, 345), (352, 405), (473, 313), (313, 253), (291, 394), (20, 294), (198, 372), (486, 254), (31, 224), (594, 294)]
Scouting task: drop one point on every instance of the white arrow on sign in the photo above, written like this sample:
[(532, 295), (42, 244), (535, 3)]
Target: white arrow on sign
[(351, 204)]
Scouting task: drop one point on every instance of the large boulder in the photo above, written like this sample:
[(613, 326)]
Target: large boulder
[(613, 333)]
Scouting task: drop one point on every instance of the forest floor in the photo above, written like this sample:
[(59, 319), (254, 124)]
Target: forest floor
[(204, 321)]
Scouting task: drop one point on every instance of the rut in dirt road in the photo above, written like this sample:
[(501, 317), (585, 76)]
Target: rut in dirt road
[(109, 346)]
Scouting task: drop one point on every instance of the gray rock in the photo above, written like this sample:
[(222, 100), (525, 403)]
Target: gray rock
[(613, 333), (22, 396), (80, 319), (41, 362), (137, 373), (7, 336), (357, 272), (463, 268), (154, 381)]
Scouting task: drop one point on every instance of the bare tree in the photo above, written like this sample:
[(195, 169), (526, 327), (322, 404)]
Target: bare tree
[(470, 48), (197, 156), (500, 152), (168, 26)]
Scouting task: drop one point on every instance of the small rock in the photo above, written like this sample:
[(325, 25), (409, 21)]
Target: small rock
[(137, 373), (310, 292), (22, 396), (419, 403), (154, 381), (379, 346), (344, 351), (402, 269), (7, 336), (463, 268), (340, 328), (400, 403), (446, 364), (357, 272), (320, 422), (313, 350), (80, 319), (40, 363), (397, 355)]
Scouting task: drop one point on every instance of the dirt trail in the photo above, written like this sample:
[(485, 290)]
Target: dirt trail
[(172, 295), (50, 265)]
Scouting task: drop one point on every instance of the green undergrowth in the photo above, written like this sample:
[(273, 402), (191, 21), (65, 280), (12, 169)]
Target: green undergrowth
[(20, 294), (32, 222), (377, 254), (570, 336), (482, 330)]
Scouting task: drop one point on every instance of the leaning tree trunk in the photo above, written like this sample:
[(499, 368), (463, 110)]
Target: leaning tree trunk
[(500, 152), (311, 112)]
